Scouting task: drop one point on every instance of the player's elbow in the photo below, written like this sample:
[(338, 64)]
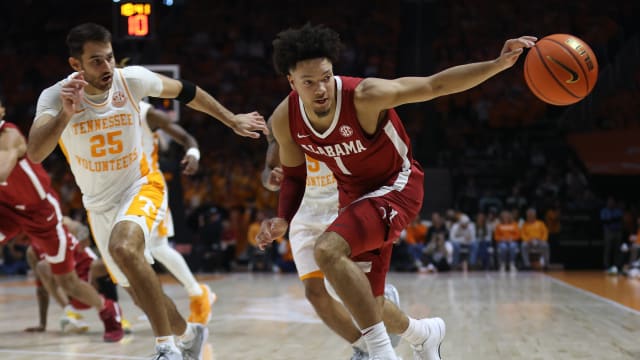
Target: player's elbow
[(34, 155)]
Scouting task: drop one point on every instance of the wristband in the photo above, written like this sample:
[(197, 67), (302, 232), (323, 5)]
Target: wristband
[(187, 93), (194, 152)]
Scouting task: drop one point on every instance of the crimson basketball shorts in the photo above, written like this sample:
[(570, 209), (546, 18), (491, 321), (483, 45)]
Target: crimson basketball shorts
[(82, 259), (374, 222), (43, 224)]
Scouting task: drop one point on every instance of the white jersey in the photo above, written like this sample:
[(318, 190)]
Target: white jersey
[(318, 209), (151, 147), (321, 191), (103, 140), (149, 142)]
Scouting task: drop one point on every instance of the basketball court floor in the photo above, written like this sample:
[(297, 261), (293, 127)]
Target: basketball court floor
[(492, 315)]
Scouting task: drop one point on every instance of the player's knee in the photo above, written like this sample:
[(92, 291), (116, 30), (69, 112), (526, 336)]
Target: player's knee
[(43, 269), (329, 248), (69, 281), (122, 252)]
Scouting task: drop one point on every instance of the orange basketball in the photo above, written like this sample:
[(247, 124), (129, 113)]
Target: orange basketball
[(561, 69)]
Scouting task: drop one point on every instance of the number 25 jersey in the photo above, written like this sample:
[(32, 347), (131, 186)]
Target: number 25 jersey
[(103, 141)]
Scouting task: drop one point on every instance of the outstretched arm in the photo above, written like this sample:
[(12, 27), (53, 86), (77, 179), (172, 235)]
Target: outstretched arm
[(41, 293), (375, 95), (12, 148), (160, 120), (247, 125)]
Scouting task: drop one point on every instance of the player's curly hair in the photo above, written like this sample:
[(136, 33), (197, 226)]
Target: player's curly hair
[(307, 42)]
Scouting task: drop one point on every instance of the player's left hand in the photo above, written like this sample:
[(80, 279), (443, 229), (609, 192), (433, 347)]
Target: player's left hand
[(270, 230), (513, 48), (189, 165), (249, 125)]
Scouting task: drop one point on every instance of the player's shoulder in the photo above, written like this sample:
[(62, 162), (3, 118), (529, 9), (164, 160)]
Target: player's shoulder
[(349, 82), (11, 134), (371, 89), (135, 72)]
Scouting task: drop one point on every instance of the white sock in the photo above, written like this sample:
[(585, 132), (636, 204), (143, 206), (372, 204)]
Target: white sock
[(194, 290), (415, 334), (175, 263), (189, 334), (360, 344), (162, 340), (378, 341)]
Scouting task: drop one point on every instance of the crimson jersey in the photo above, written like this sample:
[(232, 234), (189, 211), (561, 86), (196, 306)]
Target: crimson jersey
[(28, 183), (363, 165)]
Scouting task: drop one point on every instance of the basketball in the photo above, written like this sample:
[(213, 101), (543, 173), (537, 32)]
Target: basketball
[(561, 69)]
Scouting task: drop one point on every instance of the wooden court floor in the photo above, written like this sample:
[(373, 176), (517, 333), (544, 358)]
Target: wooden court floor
[(265, 316)]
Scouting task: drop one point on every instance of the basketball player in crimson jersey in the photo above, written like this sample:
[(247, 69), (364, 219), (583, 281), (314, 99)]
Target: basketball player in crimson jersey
[(318, 209), (29, 204), (46, 285), (351, 125)]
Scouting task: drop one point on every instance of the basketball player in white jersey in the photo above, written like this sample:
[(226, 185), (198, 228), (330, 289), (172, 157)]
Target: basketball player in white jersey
[(318, 209), (94, 115), (200, 295)]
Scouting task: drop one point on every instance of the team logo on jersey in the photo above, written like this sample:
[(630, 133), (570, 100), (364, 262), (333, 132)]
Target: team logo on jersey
[(346, 130), (118, 99)]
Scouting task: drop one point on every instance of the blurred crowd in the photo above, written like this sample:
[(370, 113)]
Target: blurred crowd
[(505, 150)]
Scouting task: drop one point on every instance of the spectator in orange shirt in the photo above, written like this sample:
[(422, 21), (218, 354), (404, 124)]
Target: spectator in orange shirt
[(507, 234), (416, 238), (552, 220), (535, 236)]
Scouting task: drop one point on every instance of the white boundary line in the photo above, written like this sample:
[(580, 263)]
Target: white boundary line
[(64, 354), (595, 296)]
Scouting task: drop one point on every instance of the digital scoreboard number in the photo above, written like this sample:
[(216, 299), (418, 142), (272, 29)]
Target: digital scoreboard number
[(134, 19)]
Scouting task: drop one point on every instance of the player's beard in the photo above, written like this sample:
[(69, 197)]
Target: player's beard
[(100, 84), (323, 113)]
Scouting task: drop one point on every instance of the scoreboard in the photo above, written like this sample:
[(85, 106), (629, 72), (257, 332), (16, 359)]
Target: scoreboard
[(134, 19)]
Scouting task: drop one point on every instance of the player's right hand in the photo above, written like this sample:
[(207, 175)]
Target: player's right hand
[(71, 93), (513, 48), (249, 125), (270, 230)]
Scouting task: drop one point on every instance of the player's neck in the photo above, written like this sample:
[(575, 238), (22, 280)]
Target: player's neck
[(94, 92), (320, 123)]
